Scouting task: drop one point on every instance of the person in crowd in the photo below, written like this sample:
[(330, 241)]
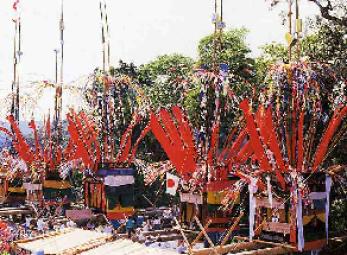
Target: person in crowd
[(70, 223), (90, 226), (27, 223), (141, 236), (40, 225), (181, 249), (148, 241), (147, 226), (130, 226), (156, 223)]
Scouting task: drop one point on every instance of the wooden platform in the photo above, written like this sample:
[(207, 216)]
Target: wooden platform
[(67, 241), (6, 211)]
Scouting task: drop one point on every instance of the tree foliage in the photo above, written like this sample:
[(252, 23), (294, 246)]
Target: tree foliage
[(165, 79), (330, 10), (234, 52)]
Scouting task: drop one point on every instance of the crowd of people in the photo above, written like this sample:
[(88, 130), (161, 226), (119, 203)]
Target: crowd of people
[(137, 227)]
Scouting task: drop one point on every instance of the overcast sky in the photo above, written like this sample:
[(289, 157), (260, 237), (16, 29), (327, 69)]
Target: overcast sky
[(140, 30)]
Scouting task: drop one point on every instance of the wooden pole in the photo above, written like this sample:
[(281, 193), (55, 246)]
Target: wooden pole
[(258, 230), (231, 229), (15, 62), (19, 54), (183, 235), (108, 37), (59, 85), (298, 28), (103, 38), (149, 201), (201, 233), (290, 13), (206, 235)]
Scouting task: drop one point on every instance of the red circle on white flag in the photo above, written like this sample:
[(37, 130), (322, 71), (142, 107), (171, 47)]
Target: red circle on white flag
[(170, 183)]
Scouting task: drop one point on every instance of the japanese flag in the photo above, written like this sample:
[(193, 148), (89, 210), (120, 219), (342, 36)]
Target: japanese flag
[(172, 182)]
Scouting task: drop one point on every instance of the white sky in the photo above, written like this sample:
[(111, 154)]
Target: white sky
[(140, 30)]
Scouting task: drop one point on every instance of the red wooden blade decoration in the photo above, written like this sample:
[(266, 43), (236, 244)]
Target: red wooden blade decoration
[(23, 149), (93, 136), (273, 142), (236, 146), (136, 145), (226, 145), (187, 137), (254, 136), (172, 130), (174, 149), (88, 138), (6, 131), (81, 151), (270, 139), (32, 125), (164, 141), (245, 153), (334, 123)]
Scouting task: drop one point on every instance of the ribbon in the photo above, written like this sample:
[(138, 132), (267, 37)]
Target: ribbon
[(252, 188), (301, 240), (328, 183), (269, 190)]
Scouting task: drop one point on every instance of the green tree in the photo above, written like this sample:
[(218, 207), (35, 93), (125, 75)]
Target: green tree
[(234, 52), (271, 53), (330, 10), (166, 79), (174, 66)]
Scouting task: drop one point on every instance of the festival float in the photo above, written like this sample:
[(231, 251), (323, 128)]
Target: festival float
[(40, 160), (108, 183), (196, 154), (103, 140), (292, 132)]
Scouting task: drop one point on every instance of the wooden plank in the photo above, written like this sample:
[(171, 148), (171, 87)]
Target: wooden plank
[(242, 238), (226, 248), (266, 251), (13, 212), (161, 232)]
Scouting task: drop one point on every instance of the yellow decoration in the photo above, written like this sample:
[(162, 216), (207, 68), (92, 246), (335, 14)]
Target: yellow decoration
[(16, 189), (299, 25), (215, 198), (53, 184), (121, 210), (307, 219), (289, 38)]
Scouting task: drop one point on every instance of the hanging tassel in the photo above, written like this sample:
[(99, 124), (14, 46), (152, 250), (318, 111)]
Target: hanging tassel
[(269, 190)]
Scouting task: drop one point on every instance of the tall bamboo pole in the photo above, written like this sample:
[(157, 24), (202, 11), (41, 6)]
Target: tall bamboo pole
[(15, 62), (16, 66), (290, 13), (107, 37), (298, 28), (61, 81)]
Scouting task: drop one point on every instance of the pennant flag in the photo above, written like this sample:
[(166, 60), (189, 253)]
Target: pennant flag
[(15, 5), (171, 184)]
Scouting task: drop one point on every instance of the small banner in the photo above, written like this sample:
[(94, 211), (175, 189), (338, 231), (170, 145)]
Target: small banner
[(171, 184)]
